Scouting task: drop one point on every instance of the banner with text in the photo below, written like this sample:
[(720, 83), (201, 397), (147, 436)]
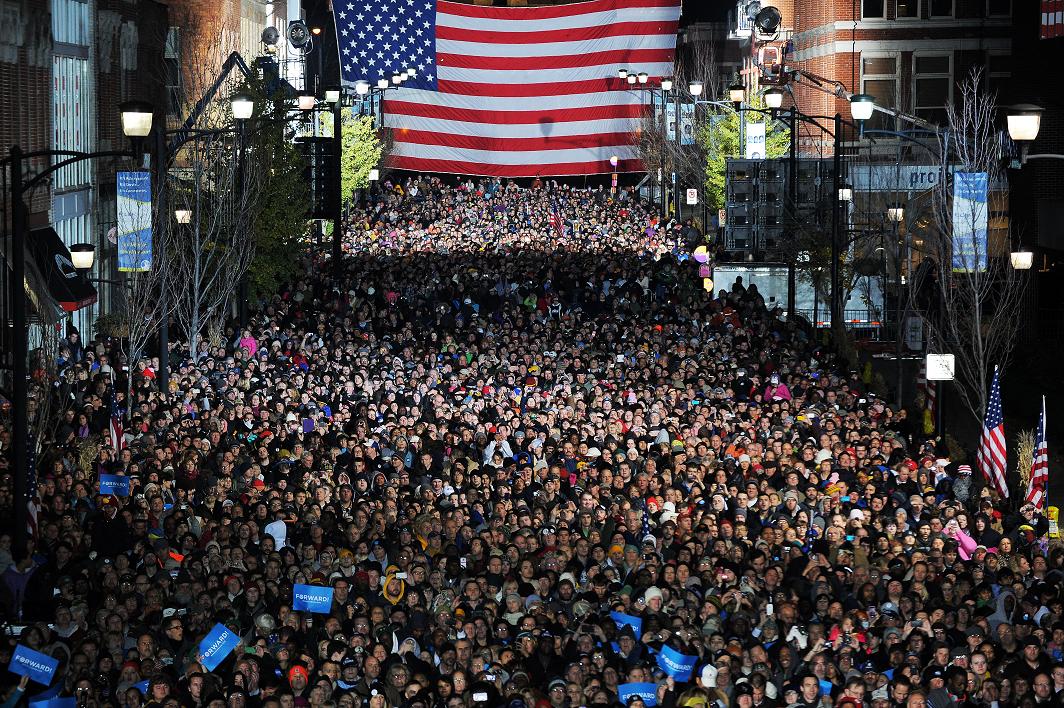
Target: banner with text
[(679, 666), (622, 620), (969, 222), (687, 124), (670, 120), (646, 691), (134, 221), (115, 484), (27, 662), (755, 141), (312, 598), (217, 645)]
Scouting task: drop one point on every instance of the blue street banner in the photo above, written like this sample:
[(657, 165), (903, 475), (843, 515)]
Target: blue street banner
[(217, 645), (312, 598), (134, 221), (647, 691), (39, 667), (969, 222), (114, 484), (622, 620), (679, 666)]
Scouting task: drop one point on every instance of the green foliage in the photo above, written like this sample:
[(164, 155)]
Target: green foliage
[(362, 150), (719, 138), (279, 220)]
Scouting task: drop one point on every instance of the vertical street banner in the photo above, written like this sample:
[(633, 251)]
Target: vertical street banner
[(969, 222), (670, 120), (134, 221), (687, 124), (755, 141)]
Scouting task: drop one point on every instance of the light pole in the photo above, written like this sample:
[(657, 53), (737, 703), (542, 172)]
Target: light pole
[(335, 96), (896, 215), (136, 125)]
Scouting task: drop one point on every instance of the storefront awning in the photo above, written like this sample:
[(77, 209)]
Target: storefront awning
[(67, 286)]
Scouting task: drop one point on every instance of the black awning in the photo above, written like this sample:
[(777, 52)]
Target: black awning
[(66, 285)]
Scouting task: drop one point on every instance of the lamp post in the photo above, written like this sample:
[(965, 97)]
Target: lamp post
[(896, 215), (136, 124)]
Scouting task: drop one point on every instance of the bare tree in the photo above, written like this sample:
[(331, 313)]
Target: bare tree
[(969, 298), (212, 253), (218, 179)]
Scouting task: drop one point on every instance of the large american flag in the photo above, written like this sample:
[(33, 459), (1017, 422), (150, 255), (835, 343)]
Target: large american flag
[(510, 91), (1039, 487), (991, 455)]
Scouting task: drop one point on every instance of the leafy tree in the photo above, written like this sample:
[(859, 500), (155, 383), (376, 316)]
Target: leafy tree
[(719, 137), (362, 150)]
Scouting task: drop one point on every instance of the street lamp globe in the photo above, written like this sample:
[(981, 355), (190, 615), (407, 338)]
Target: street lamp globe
[(332, 94), (361, 88), (183, 216), (737, 92), (411, 72), (614, 161), (622, 73), (696, 87), (243, 106), (136, 118), (397, 78), (1021, 260), (82, 255), (861, 106), (374, 174), (896, 213), (666, 84), (643, 77), (382, 83), (1024, 121), (845, 192), (631, 79), (774, 98), (305, 101)]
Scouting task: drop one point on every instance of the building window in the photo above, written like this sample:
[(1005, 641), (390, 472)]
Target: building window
[(70, 22), (879, 78), (998, 8), (998, 72), (941, 8), (907, 9), (932, 79), (872, 9)]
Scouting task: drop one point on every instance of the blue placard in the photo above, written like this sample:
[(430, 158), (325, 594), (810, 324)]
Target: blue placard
[(134, 221), (679, 666), (142, 687), (622, 620), (55, 703), (116, 484), (312, 598), (39, 667), (647, 691), (217, 645)]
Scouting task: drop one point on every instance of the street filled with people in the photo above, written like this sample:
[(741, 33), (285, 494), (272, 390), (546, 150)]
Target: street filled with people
[(514, 453)]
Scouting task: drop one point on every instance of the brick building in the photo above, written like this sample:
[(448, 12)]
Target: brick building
[(909, 54), (65, 66)]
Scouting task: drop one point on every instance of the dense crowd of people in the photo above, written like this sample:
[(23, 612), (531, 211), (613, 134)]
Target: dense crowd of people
[(539, 466)]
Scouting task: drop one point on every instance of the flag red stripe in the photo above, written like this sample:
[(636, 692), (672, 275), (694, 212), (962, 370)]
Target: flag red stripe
[(577, 34), (480, 142), (541, 13), (415, 164), (468, 115), (618, 57), (559, 88)]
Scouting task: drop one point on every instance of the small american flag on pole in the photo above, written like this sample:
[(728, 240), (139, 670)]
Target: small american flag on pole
[(991, 455), (1037, 492), (31, 487), (118, 438)]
